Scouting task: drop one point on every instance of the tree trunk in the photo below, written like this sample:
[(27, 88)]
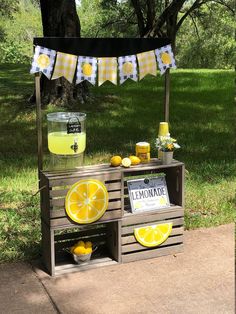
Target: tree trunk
[(60, 19)]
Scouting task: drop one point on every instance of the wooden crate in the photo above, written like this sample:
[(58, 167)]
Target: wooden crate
[(174, 175), (131, 250), (56, 185), (56, 245)]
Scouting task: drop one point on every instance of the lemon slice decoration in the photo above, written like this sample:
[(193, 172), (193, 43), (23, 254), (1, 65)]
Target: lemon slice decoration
[(127, 68), (86, 201), (87, 69), (43, 61), (165, 58), (154, 235)]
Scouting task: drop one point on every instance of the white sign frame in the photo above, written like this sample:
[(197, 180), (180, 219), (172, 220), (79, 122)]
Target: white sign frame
[(148, 194)]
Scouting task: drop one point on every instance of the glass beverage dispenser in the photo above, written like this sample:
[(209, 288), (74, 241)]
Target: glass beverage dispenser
[(66, 139)]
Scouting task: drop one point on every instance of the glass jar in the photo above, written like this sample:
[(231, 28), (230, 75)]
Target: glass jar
[(66, 139)]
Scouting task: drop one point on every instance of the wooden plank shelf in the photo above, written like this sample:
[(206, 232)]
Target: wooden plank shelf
[(114, 231)]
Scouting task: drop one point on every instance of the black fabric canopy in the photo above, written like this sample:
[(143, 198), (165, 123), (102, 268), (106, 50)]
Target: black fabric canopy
[(101, 47)]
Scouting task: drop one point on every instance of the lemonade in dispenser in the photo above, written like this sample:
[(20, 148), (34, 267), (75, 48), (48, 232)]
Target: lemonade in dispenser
[(66, 139)]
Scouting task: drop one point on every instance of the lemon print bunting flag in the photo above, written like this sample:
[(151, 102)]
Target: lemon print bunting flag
[(154, 235), (127, 68), (165, 58), (86, 201), (43, 61), (86, 70)]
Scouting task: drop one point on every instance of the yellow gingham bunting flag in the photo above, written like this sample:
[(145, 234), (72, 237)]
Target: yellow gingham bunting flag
[(147, 64), (43, 61), (165, 58), (128, 68), (107, 70), (86, 70), (65, 66)]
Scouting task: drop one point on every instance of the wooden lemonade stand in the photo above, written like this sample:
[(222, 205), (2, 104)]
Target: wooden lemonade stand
[(113, 233)]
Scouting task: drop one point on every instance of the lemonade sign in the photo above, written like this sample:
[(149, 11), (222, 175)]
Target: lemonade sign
[(148, 194)]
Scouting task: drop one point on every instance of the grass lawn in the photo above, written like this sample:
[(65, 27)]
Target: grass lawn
[(202, 118)]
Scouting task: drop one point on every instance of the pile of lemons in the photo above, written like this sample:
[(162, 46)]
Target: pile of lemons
[(126, 162), (81, 248)]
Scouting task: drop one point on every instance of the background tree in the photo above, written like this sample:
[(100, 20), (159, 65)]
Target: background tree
[(60, 19)]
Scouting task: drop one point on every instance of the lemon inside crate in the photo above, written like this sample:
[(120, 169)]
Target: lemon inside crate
[(101, 237)]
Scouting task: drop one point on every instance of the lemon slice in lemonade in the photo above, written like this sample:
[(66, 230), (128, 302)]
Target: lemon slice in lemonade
[(154, 235), (86, 201)]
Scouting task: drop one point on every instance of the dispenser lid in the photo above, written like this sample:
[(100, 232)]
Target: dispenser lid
[(65, 116)]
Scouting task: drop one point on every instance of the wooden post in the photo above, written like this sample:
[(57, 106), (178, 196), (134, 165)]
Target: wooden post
[(167, 95), (39, 122)]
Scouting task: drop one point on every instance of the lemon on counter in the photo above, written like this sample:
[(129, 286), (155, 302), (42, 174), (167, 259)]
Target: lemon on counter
[(115, 161), (134, 160), (126, 162)]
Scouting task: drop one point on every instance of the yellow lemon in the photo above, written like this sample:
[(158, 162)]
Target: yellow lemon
[(154, 235), (134, 160), (43, 61), (126, 162), (80, 243), (87, 69), (86, 201), (127, 68), (115, 161), (79, 250), (165, 58), (88, 250), (88, 244)]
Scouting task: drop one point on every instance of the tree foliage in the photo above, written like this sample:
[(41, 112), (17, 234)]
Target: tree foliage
[(17, 32)]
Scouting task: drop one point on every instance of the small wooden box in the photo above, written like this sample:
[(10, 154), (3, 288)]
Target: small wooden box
[(131, 250), (56, 185), (56, 246)]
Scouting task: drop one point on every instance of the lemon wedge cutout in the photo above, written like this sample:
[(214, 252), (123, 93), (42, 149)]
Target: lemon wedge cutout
[(86, 201), (154, 235)]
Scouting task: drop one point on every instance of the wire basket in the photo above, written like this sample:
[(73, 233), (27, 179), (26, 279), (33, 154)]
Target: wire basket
[(82, 258)]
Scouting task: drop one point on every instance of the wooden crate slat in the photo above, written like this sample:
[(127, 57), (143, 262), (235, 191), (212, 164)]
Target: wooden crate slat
[(77, 170), (131, 238), (132, 219), (60, 212), (81, 233), (113, 186), (130, 229), (70, 268), (108, 216), (60, 202), (64, 181), (138, 247), (174, 249), (152, 166), (95, 239)]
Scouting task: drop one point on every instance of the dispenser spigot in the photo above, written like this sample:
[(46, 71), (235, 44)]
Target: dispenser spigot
[(75, 147)]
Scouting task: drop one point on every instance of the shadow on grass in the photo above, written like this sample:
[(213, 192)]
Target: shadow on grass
[(201, 116)]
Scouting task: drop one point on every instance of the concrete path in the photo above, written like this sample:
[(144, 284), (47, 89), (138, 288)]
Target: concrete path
[(201, 280)]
